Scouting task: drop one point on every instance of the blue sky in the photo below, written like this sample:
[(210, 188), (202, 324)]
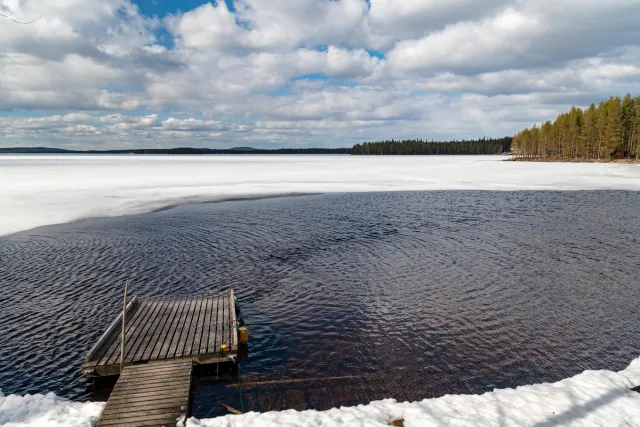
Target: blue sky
[(328, 73), (164, 7)]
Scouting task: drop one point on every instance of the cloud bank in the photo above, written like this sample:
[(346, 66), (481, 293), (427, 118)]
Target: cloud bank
[(305, 72)]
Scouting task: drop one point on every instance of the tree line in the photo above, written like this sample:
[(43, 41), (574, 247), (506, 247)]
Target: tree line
[(420, 147), (610, 130), (179, 150)]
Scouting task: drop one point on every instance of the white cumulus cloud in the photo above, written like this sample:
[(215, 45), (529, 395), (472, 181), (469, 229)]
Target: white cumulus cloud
[(327, 72)]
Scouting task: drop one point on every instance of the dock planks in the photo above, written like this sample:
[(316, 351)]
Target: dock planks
[(156, 394), (157, 329)]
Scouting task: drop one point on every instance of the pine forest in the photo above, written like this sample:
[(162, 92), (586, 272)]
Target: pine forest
[(610, 130)]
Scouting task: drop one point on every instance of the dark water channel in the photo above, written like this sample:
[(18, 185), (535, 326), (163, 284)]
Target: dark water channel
[(413, 295)]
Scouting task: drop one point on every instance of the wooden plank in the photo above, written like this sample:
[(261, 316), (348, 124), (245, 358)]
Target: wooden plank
[(113, 340), (222, 323), (132, 327), (159, 364), (150, 330), (227, 325), (144, 396), (164, 349), (163, 395), (193, 329), (137, 330), (199, 326), (163, 331), (184, 326), (159, 333), (179, 335), (156, 396), (211, 344), (160, 370), (213, 327), (193, 320), (169, 385), (109, 332), (204, 342), (219, 325), (234, 331), (170, 419), (154, 375), (152, 381), (144, 408), (225, 322)]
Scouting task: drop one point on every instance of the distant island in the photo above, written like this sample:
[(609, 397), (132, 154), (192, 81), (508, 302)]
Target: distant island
[(608, 132), (179, 150), (420, 147)]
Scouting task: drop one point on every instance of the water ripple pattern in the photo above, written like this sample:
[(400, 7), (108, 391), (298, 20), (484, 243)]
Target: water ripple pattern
[(414, 294)]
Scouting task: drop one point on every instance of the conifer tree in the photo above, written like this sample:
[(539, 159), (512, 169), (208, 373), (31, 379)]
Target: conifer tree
[(612, 129)]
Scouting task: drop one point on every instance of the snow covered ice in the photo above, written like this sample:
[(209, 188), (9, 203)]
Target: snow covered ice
[(592, 398), (38, 190), (40, 410)]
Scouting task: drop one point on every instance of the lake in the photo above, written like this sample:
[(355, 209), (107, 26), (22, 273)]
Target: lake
[(411, 294)]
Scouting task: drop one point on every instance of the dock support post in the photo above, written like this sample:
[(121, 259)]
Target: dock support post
[(124, 325)]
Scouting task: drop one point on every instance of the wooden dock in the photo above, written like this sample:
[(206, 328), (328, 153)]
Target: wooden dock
[(163, 339), (200, 329), (156, 394)]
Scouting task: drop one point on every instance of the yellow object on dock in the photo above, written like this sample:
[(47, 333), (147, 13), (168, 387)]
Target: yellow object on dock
[(243, 334)]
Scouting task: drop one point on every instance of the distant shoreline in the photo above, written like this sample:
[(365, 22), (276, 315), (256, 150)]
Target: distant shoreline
[(177, 150), (570, 160)]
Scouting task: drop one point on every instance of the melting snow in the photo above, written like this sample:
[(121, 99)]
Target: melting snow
[(40, 410), (38, 190)]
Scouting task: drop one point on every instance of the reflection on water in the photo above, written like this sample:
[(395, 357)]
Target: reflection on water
[(409, 295)]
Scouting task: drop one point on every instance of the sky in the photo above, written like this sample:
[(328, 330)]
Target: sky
[(297, 73)]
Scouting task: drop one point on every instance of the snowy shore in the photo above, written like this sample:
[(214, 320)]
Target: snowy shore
[(592, 398), (37, 190)]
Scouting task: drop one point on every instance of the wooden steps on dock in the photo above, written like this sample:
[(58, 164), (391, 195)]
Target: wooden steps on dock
[(198, 329), (155, 394)]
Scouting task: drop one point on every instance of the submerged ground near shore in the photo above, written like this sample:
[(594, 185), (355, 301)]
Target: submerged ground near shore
[(497, 289)]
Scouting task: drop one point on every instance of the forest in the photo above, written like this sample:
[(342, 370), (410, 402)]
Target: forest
[(608, 131), (418, 147)]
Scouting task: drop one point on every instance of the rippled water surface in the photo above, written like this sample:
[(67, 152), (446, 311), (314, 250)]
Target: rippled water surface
[(412, 295)]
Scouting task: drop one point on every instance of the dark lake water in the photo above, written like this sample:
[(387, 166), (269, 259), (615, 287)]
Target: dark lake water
[(413, 295)]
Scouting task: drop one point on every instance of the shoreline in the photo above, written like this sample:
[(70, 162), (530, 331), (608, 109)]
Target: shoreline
[(593, 398), (570, 160)]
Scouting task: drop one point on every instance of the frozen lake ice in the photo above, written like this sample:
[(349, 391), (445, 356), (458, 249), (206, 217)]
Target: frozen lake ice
[(38, 190)]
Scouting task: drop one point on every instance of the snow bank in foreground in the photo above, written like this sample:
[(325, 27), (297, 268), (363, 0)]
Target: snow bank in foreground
[(41, 190), (48, 410), (592, 398)]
